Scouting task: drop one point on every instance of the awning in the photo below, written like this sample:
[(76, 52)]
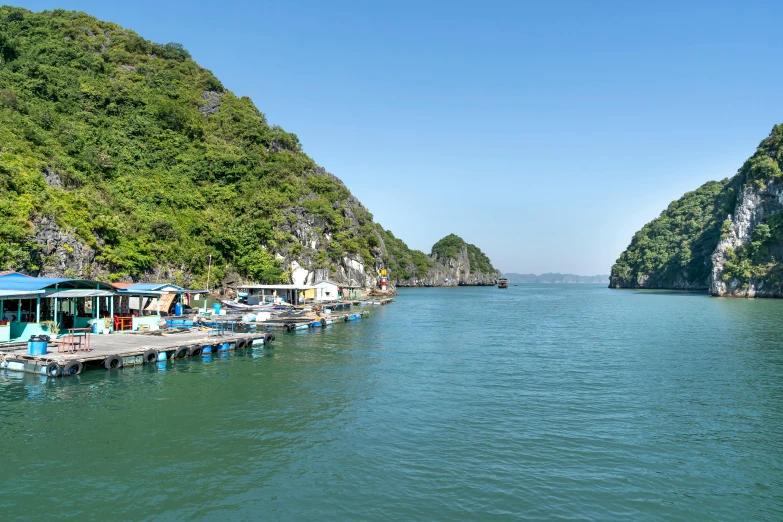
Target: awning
[(67, 294)]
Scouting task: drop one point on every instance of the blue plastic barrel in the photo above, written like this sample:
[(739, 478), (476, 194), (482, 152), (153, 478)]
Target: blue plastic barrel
[(178, 309), (95, 328), (36, 347), (216, 308)]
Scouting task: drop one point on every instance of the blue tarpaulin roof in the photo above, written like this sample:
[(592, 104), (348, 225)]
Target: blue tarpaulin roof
[(23, 283)]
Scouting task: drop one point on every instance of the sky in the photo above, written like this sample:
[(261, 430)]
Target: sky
[(546, 133)]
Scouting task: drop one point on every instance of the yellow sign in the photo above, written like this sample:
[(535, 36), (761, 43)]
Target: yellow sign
[(383, 272)]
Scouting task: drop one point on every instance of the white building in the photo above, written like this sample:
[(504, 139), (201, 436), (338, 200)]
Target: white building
[(327, 291)]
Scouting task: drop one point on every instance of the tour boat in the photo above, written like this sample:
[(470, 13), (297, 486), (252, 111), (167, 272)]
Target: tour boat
[(502, 282)]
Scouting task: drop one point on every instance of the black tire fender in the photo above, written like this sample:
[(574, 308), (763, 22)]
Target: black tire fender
[(267, 338), (180, 352), (73, 368), (113, 362), (195, 351), (150, 357), (53, 369)]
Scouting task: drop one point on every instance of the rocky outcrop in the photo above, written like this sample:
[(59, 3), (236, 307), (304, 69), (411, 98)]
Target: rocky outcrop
[(59, 254), (755, 206), (452, 267)]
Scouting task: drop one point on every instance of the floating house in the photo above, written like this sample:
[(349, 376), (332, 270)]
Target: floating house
[(38, 305), (328, 290), (259, 294), (141, 305), (47, 306)]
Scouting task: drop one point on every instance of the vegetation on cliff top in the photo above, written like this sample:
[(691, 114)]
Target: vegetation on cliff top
[(451, 245), (143, 155)]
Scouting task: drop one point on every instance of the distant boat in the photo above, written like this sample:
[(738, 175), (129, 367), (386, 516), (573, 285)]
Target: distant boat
[(516, 284), (502, 282)]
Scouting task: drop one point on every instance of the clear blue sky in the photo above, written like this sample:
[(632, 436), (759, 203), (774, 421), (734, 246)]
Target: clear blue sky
[(547, 133)]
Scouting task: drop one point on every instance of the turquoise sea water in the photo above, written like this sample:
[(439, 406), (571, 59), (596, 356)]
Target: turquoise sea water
[(537, 403)]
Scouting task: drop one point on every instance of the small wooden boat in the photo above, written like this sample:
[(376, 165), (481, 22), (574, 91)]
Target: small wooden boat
[(502, 282)]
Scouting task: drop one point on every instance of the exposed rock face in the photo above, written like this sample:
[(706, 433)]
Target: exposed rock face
[(60, 254), (754, 206), (211, 102)]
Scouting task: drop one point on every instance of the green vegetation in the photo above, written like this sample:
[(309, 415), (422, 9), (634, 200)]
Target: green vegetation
[(675, 248), (141, 154), (451, 245)]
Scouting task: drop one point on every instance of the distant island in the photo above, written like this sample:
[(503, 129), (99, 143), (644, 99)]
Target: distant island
[(515, 278)]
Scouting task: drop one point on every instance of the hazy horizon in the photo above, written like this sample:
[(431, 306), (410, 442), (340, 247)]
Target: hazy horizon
[(547, 135)]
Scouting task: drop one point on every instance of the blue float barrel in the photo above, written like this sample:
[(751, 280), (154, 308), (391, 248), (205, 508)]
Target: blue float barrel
[(178, 309), (216, 308)]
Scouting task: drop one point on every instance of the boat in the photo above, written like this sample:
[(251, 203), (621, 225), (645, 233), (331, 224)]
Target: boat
[(239, 306), (502, 282)]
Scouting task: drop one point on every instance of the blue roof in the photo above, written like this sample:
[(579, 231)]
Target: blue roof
[(14, 282)]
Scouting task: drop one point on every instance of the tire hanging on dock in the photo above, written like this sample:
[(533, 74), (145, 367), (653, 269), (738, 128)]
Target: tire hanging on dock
[(150, 356), (113, 362), (73, 368), (52, 369), (268, 338), (180, 352), (241, 343), (323, 321), (195, 351), (287, 327)]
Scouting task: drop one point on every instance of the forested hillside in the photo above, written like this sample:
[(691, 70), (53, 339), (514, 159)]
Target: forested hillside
[(122, 158), (725, 236)]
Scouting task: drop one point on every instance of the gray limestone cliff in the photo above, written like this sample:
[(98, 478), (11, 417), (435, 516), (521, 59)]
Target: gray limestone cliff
[(756, 206)]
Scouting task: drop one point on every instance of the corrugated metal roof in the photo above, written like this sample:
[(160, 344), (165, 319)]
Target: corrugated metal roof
[(155, 288), (12, 273), (63, 294)]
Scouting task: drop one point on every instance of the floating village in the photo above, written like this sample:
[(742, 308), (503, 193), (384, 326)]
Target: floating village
[(61, 327)]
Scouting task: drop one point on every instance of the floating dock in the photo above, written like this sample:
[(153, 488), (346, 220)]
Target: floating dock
[(113, 352)]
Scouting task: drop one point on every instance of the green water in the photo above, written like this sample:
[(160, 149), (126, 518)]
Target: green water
[(536, 403)]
